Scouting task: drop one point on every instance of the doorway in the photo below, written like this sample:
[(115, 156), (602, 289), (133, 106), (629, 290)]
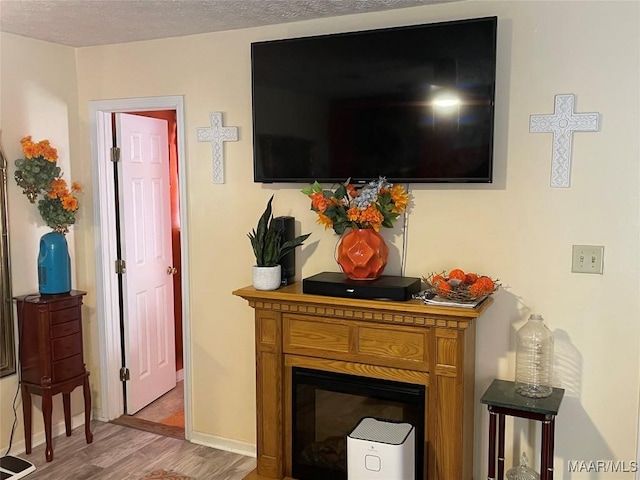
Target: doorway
[(111, 403), (149, 241)]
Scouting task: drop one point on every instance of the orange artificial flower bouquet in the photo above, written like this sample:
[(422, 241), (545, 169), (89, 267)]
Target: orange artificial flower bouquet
[(377, 204), (39, 176)]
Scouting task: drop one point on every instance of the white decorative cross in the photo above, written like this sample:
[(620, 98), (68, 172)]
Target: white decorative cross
[(216, 135), (563, 123)]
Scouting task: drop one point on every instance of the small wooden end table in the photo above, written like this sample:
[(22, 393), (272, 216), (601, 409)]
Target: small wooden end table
[(52, 359), (501, 399)]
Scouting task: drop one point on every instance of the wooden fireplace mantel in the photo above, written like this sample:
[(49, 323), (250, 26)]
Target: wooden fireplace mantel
[(404, 341)]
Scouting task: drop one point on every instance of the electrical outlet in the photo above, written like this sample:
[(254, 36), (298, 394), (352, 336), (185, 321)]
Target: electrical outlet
[(587, 259)]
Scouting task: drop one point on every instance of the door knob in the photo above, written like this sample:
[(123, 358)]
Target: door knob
[(172, 270)]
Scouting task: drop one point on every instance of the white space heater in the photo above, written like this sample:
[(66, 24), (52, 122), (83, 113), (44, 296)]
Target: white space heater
[(381, 450)]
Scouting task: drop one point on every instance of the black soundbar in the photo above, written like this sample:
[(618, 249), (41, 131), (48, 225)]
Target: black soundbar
[(385, 287)]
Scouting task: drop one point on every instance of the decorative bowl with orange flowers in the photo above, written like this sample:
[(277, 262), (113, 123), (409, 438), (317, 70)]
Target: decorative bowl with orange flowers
[(460, 286), (40, 178)]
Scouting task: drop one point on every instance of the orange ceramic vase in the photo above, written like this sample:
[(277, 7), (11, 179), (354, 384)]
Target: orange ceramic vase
[(362, 254)]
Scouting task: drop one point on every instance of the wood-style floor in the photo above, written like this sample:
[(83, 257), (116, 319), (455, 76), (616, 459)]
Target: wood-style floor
[(123, 453)]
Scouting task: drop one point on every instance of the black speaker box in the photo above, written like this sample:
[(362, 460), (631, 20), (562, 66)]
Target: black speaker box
[(288, 263), (385, 287)]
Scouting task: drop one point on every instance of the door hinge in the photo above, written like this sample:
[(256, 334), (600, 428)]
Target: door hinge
[(121, 267), (124, 374), (115, 154)]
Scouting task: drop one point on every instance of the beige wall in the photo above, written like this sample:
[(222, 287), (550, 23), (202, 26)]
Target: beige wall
[(518, 229), (38, 98)]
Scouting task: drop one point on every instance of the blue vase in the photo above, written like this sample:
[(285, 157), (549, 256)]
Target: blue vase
[(54, 264)]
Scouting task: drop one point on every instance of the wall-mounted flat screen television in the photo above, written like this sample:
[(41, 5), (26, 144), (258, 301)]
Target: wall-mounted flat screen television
[(414, 104)]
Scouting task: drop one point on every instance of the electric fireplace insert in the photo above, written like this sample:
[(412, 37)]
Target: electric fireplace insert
[(327, 406)]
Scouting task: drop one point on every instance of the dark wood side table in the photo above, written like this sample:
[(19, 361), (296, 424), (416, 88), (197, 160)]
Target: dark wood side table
[(501, 399), (51, 359)]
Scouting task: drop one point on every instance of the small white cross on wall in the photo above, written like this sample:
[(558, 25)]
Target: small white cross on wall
[(217, 134), (562, 124)]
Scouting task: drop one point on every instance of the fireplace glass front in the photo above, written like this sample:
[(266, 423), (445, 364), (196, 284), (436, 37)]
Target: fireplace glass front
[(327, 406)]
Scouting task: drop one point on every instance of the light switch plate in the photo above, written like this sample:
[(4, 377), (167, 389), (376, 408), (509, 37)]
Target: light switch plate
[(587, 259)]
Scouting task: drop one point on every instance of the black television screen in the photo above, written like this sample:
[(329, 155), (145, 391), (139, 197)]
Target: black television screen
[(413, 104)]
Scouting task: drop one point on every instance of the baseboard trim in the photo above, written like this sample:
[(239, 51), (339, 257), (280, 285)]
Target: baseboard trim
[(226, 444), (38, 438), (96, 414), (212, 441)]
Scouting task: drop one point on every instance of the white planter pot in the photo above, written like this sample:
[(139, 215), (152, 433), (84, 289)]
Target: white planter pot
[(266, 278)]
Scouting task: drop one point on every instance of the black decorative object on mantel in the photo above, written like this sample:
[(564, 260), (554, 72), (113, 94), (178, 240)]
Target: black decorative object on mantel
[(385, 287)]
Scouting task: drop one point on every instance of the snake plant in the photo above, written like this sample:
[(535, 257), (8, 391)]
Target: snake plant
[(266, 240)]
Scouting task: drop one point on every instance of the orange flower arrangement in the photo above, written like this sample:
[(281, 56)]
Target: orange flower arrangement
[(41, 149), (39, 175), (377, 204)]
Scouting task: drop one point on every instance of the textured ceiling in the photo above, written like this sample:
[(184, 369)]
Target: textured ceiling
[(81, 23)]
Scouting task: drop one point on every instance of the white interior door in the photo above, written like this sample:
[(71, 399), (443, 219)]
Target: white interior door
[(145, 232)]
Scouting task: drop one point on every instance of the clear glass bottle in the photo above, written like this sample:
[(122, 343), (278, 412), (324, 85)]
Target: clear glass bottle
[(534, 358)]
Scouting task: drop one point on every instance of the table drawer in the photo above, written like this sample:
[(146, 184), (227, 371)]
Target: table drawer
[(66, 315), (64, 329), (66, 303), (68, 346), (68, 368)]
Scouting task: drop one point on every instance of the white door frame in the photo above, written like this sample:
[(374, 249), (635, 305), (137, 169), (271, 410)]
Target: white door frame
[(111, 403)]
